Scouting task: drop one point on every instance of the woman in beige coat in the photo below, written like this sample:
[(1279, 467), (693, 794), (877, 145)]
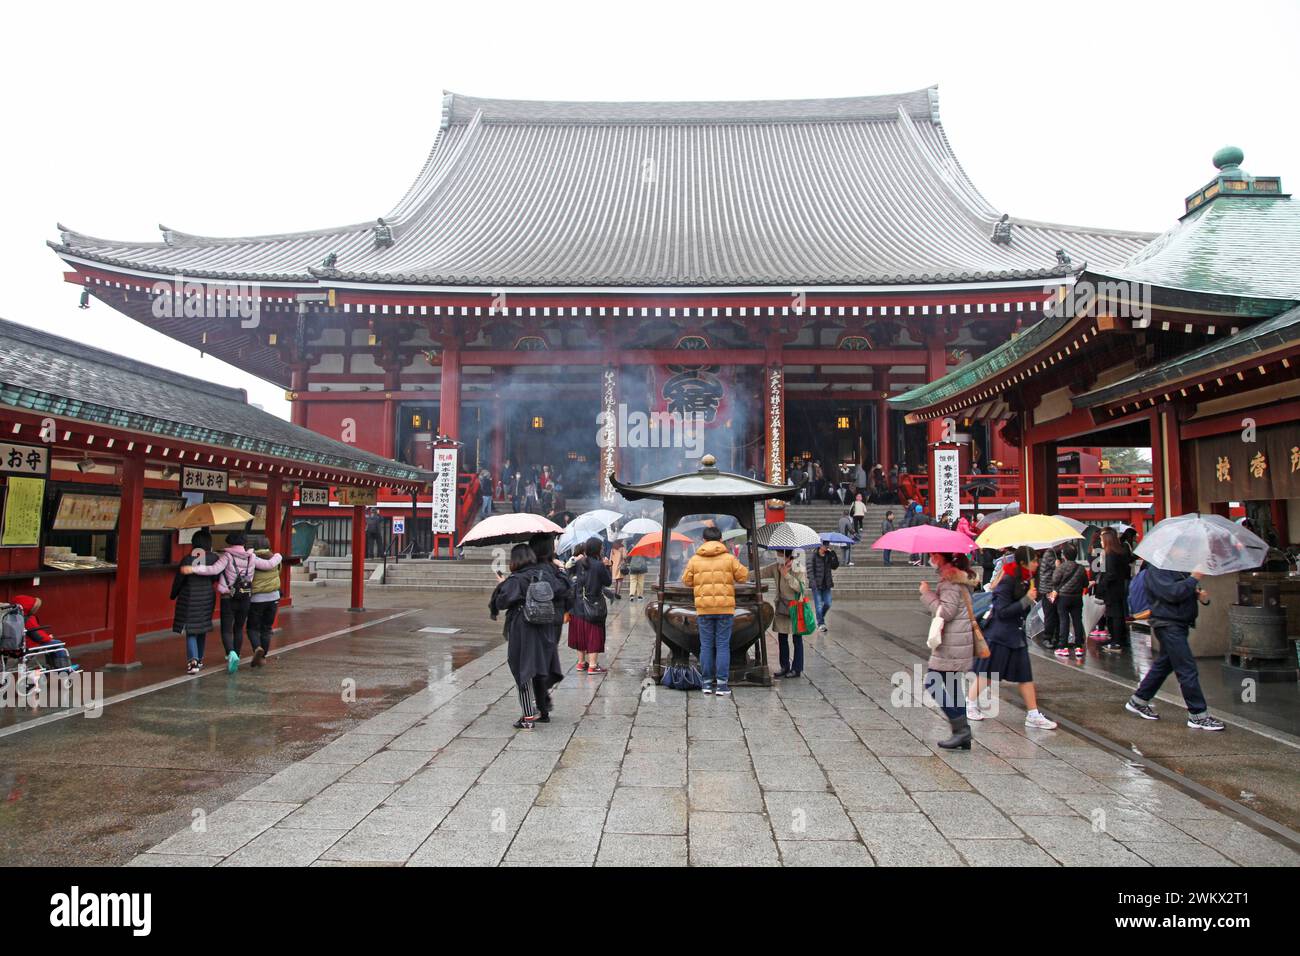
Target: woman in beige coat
[(791, 583), (952, 649)]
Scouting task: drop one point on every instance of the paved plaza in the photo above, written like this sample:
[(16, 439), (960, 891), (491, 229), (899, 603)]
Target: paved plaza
[(824, 770)]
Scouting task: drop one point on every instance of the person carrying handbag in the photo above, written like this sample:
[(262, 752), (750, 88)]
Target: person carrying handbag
[(954, 636), (791, 585), (587, 623)]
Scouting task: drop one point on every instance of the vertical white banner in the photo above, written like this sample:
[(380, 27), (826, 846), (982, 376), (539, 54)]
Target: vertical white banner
[(609, 436), (444, 491), (947, 483)]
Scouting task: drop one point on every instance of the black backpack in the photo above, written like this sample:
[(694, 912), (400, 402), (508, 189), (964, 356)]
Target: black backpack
[(539, 602), (242, 587)]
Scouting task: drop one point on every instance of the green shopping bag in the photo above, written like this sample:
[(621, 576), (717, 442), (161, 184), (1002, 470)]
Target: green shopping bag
[(803, 617)]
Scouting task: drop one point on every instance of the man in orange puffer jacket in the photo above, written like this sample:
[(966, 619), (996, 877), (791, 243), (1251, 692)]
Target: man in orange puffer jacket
[(713, 573)]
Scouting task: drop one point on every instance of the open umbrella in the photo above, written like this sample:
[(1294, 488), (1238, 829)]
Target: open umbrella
[(640, 526), (734, 533), (924, 539), (594, 522), (508, 529), (209, 515), (1210, 544), (1078, 526), (1001, 514), (651, 544), (786, 536), (834, 537), (1034, 531)]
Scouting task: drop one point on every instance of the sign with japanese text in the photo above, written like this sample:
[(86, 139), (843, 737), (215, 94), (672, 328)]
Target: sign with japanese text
[(947, 483), (204, 479), (1231, 468), (87, 512), (775, 426), (24, 459), (314, 497), (24, 498), (444, 491), (358, 496)]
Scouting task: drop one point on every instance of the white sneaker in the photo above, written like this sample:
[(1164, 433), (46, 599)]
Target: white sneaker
[(1039, 722), (973, 711)]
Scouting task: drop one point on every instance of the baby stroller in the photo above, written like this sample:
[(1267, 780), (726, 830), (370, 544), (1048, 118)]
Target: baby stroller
[(21, 666)]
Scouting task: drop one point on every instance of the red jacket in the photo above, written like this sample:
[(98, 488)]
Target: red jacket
[(36, 635)]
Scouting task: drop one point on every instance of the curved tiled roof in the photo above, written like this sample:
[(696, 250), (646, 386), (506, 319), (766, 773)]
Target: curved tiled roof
[(39, 371), (852, 191)]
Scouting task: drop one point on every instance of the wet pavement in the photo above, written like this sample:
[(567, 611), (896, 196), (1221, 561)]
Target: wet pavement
[(168, 748), (426, 769)]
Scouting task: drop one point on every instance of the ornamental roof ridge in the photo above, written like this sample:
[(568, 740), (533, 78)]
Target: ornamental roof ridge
[(459, 108)]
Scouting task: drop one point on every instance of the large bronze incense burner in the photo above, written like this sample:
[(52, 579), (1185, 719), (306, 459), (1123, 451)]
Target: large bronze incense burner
[(672, 614)]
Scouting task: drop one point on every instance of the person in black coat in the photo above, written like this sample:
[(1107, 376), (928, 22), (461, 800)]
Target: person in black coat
[(822, 580), (1112, 589), (1013, 596), (530, 654), (195, 602), (543, 546)]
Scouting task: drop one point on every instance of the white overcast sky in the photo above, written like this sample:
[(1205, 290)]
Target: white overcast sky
[(241, 118)]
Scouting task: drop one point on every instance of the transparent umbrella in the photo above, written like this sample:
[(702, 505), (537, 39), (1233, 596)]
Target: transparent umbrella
[(1210, 544)]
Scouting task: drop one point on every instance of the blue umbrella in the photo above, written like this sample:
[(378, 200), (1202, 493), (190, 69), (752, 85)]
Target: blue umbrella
[(834, 537)]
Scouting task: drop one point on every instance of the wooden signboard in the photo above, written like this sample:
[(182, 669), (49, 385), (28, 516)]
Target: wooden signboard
[(358, 496), (313, 496)]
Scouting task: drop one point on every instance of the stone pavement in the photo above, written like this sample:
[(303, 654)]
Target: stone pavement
[(821, 770)]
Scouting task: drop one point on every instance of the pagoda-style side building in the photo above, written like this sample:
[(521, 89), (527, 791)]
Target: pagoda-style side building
[(780, 268)]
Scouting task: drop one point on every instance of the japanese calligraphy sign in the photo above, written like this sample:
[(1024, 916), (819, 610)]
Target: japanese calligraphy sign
[(204, 479), (22, 521), (1232, 469), (775, 425), (315, 497), (24, 459), (609, 442), (444, 491), (692, 390), (349, 497), (947, 482)]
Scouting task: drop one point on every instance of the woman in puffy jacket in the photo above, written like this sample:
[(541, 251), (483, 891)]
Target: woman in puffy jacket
[(1009, 660), (952, 648), (1069, 580)]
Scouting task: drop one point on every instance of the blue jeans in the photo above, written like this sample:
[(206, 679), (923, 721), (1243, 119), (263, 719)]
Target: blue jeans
[(822, 602), (194, 645), (715, 648), (848, 554), (887, 553), (948, 690), (783, 653), (486, 508), (1176, 657)]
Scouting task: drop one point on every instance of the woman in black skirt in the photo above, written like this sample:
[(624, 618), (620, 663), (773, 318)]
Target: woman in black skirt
[(1009, 660)]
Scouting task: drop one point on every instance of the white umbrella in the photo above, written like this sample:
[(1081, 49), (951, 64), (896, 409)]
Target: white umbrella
[(1076, 525), (1210, 544), (639, 526), (787, 536), (594, 522)]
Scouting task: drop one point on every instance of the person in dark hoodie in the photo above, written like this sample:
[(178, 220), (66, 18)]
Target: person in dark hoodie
[(195, 602), (1013, 596), (1047, 559), (1175, 598), (821, 577), (1069, 580), (543, 546), (530, 654)]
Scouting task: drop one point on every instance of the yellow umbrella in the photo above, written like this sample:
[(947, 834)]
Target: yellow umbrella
[(208, 515), (1035, 531)]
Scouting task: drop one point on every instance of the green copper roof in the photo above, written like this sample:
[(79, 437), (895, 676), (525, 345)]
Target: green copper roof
[(1266, 336), (1234, 245)]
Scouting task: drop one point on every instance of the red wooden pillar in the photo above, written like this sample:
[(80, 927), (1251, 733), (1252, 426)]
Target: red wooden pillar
[(498, 443), (936, 367), (358, 558), (286, 548), (449, 392), (1044, 497), (298, 386), (392, 387), (126, 588), (1159, 471), (884, 436)]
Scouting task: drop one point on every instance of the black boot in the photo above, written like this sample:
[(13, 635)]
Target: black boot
[(961, 736)]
